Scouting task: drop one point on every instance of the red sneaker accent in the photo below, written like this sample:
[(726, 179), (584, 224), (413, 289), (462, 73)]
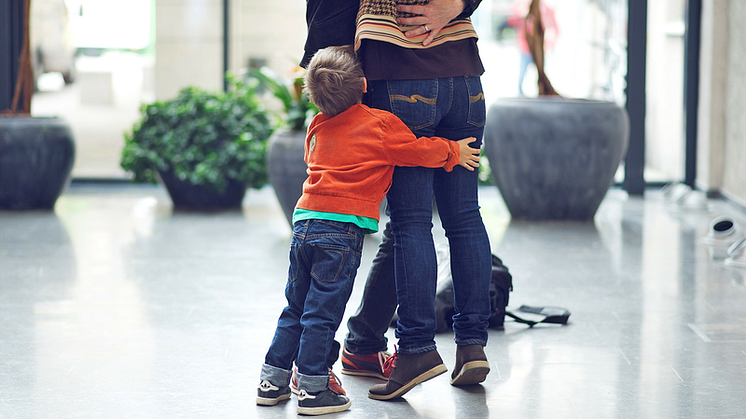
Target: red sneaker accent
[(335, 384), (375, 365), (390, 363)]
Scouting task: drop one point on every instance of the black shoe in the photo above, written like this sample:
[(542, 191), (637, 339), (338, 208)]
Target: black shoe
[(409, 370), (268, 394), (320, 403), (471, 365)]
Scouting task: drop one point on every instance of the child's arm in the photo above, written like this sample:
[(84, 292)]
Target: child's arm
[(469, 158), (403, 148)]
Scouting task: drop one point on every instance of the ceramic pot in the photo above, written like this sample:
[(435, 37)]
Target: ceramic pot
[(287, 168), (555, 158), (36, 159)]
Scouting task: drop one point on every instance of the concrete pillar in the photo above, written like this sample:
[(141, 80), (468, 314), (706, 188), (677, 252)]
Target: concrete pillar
[(734, 176), (713, 67)]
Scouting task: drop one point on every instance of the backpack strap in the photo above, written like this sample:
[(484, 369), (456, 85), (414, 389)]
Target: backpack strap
[(553, 315)]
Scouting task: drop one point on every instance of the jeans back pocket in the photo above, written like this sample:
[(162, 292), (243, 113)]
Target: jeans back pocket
[(413, 101), (477, 106), (295, 261)]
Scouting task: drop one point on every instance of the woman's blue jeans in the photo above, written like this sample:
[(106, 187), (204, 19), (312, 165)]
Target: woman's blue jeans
[(453, 108), (324, 258)]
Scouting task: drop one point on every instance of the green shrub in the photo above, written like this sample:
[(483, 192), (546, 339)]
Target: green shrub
[(485, 171), (298, 110), (203, 138)]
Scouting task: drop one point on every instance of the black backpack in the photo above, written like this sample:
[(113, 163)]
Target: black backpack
[(500, 287)]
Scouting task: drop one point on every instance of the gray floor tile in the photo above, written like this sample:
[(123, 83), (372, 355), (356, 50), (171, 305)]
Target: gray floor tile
[(114, 306)]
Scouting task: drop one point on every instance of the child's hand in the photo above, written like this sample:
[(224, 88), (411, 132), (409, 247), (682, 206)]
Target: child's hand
[(469, 156)]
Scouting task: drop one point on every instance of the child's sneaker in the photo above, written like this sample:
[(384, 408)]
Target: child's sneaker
[(268, 394), (334, 383), (323, 402), (373, 365)]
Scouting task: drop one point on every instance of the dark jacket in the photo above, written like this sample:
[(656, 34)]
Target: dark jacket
[(332, 23)]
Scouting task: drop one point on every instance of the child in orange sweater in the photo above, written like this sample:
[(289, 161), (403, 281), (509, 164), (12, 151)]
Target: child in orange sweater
[(351, 151)]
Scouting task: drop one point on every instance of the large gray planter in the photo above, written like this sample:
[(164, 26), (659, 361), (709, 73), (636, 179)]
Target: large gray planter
[(36, 159), (554, 158), (287, 168)]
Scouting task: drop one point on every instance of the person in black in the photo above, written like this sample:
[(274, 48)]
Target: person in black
[(442, 78)]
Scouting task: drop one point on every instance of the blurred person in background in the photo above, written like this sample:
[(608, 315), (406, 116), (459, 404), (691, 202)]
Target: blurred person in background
[(521, 25)]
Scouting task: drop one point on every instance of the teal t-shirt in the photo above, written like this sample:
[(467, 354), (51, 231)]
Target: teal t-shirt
[(369, 225)]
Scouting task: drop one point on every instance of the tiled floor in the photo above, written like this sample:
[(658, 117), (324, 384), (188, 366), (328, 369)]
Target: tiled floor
[(113, 306)]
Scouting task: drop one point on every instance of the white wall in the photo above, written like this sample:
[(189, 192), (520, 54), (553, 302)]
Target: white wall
[(273, 30), (188, 45), (189, 40), (721, 140), (713, 69), (734, 178)]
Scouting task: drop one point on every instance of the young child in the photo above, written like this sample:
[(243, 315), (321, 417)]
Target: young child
[(351, 151)]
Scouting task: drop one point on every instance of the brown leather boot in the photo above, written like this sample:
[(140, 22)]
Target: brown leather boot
[(471, 365), (409, 370)]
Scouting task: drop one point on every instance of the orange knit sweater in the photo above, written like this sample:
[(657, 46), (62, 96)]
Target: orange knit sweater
[(351, 159)]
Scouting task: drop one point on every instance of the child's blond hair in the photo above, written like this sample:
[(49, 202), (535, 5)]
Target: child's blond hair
[(334, 80)]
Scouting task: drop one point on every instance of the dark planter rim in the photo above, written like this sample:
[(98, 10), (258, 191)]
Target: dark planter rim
[(187, 196), (27, 117), (554, 100)]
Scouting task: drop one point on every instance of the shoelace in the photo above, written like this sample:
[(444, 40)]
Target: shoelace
[(334, 379), (389, 363)]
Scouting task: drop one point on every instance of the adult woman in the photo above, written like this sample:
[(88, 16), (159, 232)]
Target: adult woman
[(422, 64)]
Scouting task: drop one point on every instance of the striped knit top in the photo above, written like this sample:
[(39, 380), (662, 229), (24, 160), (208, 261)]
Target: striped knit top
[(376, 20)]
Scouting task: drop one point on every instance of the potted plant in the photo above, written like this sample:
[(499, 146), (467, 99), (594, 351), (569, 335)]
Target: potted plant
[(206, 148), (552, 157), (36, 154), (287, 168)]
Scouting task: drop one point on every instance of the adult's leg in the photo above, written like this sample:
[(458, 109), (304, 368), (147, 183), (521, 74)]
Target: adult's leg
[(415, 263), (417, 360), (410, 206), (367, 327), (456, 194), (471, 260), (415, 260), (526, 59)]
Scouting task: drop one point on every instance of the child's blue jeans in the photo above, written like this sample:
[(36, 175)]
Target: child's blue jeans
[(324, 258)]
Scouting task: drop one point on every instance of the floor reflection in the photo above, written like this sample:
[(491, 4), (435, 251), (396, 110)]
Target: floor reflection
[(116, 306)]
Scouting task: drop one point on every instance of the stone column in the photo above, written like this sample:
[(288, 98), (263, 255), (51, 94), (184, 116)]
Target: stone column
[(734, 177), (713, 75)]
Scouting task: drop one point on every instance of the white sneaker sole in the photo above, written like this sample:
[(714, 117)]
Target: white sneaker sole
[(265, 401), (322, 410), (473, 372)]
